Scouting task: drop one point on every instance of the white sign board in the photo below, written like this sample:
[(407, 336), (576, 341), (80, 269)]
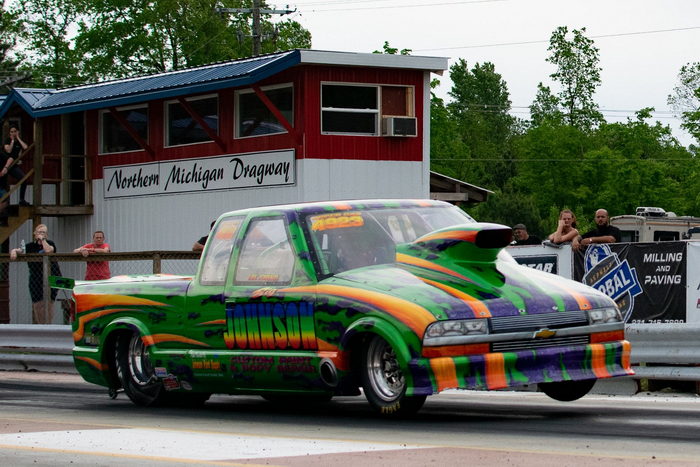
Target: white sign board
[(260, 169)]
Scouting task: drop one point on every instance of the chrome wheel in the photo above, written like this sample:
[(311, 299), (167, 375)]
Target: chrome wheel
[(383, 380), (139, 362), (135, 371), (384, 371)]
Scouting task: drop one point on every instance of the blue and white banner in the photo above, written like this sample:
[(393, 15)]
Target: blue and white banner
[(646, 280)]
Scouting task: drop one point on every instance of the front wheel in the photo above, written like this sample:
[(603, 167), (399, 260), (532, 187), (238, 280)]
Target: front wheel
[(567, 391), (383, 381)]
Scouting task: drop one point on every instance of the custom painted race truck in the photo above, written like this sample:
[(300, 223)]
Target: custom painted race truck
[(399, 298)]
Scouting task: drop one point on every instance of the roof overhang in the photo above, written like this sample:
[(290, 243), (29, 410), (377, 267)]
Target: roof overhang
[(209, 78), (450, 189)]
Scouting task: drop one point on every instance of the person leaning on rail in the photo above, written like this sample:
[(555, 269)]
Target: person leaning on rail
[(43, 311), (603, 233)]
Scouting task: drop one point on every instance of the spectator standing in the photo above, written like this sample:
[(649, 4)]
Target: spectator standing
[(566, 228), (13, 148), (522, 237), (42, 311), (199, 244), (96, 270), (4, 188), (603, 233)]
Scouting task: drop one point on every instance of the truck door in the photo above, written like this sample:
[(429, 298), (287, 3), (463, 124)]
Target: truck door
[(203, 321), (270, 327)]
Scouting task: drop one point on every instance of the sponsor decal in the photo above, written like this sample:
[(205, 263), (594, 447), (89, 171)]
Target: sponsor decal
[(250, 363), (186, 385), (662, 271), (273, 168), (546, 263), (170, 383), (339, 220), (295, 365), (206, 365), (282, 325), (161, 372), (605, 272)]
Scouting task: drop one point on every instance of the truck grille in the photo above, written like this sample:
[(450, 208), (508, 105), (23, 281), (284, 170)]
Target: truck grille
[(529, 344), (502, 324)]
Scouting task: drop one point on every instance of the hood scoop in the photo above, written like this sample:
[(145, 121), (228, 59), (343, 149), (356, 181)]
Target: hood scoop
[(478, 242)]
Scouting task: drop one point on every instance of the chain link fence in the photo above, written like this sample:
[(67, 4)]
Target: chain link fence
[(27, 298)]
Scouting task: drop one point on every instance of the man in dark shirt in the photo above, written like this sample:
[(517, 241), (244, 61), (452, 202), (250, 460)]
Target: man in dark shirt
[(603, 233), (522, 237), (199, 244), (13, 148)]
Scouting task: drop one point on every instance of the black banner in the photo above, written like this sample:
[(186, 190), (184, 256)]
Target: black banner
[(647, 280)]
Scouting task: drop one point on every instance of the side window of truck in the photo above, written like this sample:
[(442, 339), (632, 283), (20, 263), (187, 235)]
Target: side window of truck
[(218, 254), (266, 254)]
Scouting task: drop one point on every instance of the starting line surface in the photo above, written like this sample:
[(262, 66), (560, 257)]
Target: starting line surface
[(187, 445)]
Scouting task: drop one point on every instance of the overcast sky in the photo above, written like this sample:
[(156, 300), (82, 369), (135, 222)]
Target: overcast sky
[(642, 43)]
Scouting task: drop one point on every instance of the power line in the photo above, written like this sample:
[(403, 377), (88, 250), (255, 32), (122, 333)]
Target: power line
[(600, 36), (402, 6)]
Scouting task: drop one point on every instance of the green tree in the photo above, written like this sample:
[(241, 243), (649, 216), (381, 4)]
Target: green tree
[(549, 166), (686, 98), (447, 150), (10, 32), (545, 107), (617, 166), (387, 49), (94, 40), (644, 166), (479, 107), (51, 56), (510, 207), (578, 75)]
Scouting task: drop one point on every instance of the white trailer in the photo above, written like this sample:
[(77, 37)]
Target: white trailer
[(665, 228)]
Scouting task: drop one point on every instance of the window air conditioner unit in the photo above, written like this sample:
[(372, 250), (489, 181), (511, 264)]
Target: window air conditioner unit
[(399, 126)]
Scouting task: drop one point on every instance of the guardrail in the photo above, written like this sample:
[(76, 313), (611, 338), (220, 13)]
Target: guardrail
[(665, 351), (659, 351), (36, 347)]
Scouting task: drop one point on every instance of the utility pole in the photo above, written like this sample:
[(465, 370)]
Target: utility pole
[(257, 35)]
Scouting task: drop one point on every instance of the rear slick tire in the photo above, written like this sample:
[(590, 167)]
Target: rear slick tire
[(383, 381), (135, 371), (567, 391)]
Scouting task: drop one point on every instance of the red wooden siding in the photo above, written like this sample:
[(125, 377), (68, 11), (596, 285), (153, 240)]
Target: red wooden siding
[(360, 147), (308, 141)]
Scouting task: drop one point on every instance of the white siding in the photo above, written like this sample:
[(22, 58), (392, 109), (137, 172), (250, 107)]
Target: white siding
[(175, 222)]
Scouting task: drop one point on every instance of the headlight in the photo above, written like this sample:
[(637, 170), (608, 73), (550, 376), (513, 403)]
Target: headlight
[(604, 315), (457, 327)]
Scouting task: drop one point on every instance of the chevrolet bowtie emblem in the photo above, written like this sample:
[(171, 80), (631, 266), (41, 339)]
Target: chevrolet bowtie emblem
[(544, 334)]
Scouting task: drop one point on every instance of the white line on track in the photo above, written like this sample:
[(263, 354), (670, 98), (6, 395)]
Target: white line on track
[(187, 445)]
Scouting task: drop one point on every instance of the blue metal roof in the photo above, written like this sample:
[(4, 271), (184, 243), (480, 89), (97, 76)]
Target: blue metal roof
[(45, 102), (209, 78)]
